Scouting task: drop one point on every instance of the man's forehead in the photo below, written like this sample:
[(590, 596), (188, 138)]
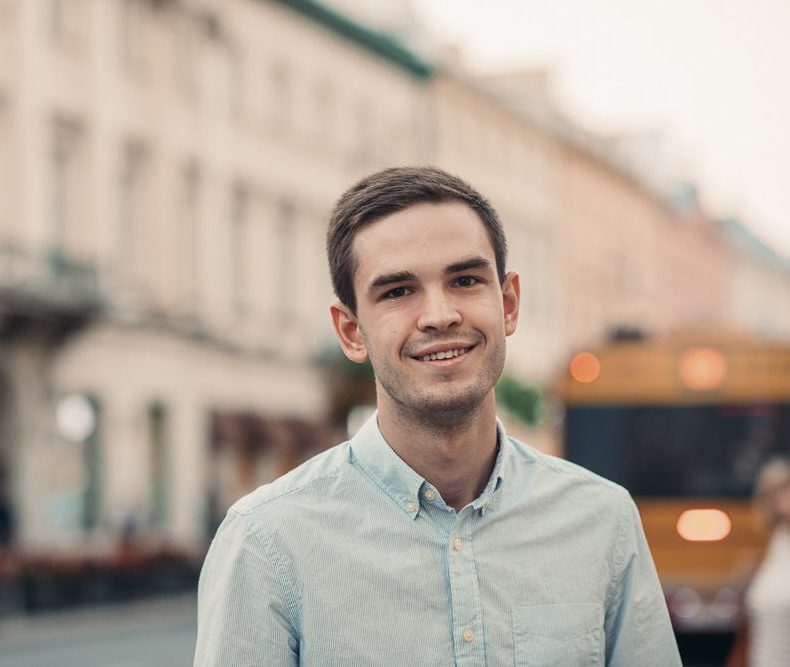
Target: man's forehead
[(452, 230)]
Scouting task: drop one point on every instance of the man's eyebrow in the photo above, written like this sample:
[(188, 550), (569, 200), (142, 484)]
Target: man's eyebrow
[(406, 276), (390, 278), (466, 264)]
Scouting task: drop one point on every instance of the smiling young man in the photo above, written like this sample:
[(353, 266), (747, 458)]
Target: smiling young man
[(431, 537)]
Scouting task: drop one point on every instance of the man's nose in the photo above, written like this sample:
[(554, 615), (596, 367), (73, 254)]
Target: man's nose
[(439, 311)]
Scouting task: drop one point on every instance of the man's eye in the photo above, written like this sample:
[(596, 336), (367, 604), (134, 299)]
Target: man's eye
[(395, 293), (467, 281)]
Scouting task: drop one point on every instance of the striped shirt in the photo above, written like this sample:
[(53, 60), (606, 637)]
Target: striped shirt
[(353, 559)]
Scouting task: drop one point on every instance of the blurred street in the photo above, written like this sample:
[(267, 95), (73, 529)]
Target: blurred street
[(150, 633)]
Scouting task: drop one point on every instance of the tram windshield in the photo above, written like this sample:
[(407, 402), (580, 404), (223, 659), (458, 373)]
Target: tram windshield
[(703, 450)]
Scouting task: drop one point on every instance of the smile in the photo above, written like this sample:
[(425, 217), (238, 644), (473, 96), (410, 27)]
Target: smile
[(446, 354)]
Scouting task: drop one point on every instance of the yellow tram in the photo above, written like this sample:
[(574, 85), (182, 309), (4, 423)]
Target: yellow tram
[(685, 423)]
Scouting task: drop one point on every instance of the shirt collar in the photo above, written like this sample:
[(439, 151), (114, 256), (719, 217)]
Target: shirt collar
[(486, 500), (394, 476)]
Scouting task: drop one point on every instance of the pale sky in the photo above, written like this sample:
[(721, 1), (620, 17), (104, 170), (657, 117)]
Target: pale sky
[(715, 74)]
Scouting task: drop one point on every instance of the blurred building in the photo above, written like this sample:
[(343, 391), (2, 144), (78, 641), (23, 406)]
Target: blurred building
[(759, 283), (167, 168), (167, 172), (696, 266)]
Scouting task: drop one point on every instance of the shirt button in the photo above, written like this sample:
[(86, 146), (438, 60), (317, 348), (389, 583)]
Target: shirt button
[(410, 506), (458, 545), (487, 504), (430, 494), (469, 636)]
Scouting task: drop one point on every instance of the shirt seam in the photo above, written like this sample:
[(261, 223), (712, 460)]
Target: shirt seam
[(582, 475), (617, 555), (288, 587), (287, 492)]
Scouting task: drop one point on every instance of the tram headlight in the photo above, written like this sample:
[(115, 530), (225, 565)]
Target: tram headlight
[(702, 368), (704, 525), (585, 367), (726, 603), (686, 603)]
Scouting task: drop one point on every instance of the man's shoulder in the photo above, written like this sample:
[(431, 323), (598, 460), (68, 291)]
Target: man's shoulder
[(558, 471), (310, 478)]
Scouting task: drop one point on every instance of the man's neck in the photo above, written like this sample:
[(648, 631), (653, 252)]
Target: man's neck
[(456, 459)]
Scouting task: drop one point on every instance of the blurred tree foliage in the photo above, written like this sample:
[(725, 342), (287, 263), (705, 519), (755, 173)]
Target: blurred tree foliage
[(521, 401), (349, 384)]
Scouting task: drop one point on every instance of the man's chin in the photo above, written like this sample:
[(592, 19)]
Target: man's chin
[(448, 409)]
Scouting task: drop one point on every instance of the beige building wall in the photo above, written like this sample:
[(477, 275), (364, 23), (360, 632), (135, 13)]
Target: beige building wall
[(610, 235), (696, 271), (190, 152), (759, 297)]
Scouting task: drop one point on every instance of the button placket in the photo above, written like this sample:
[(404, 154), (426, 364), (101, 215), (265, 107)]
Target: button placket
[(465, 593)]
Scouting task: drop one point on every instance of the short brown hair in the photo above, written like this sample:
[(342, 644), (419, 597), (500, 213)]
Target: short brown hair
[(387, 192)]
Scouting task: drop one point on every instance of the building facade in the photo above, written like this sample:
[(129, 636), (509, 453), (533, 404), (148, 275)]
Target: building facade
[(167, 168), (167, 176)]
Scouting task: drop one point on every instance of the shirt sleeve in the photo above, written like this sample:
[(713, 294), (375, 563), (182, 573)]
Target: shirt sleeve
[(638, 629), (244, 615)]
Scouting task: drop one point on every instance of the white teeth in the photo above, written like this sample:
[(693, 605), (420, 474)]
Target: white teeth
[(449, 354)]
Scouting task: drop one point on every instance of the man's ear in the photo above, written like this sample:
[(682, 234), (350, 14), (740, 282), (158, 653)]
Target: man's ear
[(511, 296), (348, 333)]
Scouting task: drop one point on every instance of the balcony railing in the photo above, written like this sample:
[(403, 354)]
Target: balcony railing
[(46, 288)]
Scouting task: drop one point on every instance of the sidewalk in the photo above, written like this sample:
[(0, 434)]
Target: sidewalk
[(150, 633)]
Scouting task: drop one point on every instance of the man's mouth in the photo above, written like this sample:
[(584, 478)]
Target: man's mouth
[(444, 354)]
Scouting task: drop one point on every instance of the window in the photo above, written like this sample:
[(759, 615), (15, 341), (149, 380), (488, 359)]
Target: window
[(159, 463), (285, 262), (679, 450), (56, 10), (66, 19), (5, 172), (324, 110), (190, 235), (237, 84), (280, 102), (64, 183), (532, 253), (238, 250), (59, 175), (92, 466), (131, 215), (365, 149), (186, 57), (132, 38), (56, 17)]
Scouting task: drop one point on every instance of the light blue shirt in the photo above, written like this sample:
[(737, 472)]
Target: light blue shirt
[(353, 559)]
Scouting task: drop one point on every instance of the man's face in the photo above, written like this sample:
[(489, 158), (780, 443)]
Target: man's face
[(431, 316)]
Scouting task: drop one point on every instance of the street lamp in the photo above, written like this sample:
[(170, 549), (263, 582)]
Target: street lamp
[(76, 417)]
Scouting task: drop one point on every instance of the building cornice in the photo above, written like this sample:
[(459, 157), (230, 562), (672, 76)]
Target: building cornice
[(380, 44)]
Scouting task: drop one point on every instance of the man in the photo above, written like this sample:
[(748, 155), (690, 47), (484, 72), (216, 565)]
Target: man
[(430, 538)]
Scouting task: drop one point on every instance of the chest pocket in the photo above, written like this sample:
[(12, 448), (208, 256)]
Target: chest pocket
[(558, 635)]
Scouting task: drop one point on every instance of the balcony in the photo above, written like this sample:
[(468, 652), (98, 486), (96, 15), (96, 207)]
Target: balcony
[(48, 295)]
